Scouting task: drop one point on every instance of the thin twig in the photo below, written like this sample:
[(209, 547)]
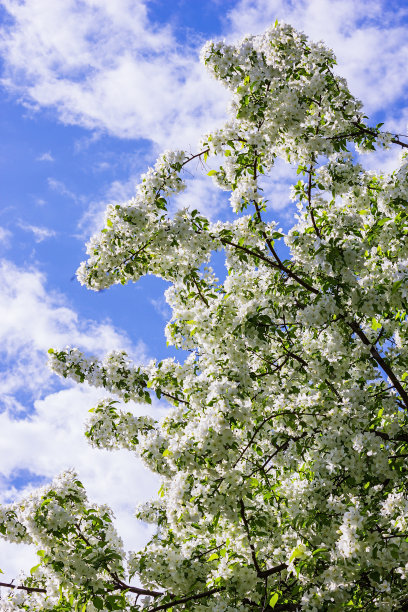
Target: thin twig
[(251, 546), (175, 602), (21, 587), (203, 298), (309, 199)]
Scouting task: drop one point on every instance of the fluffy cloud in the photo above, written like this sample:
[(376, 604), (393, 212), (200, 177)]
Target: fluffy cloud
[(107, 66), (39, 233), (32, 319), (59, 187), (52, 440), (47, 156), (104, 65), (39, 442), (5, 236)]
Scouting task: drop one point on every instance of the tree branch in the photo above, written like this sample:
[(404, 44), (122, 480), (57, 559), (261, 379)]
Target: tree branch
[(354, 326), (381, 362), (203, 298), (118, 583), (182, 600), (173, 397), (189, 159), (273, 570), (365, 130), (382, 434), (10, 585), (275, 265), (309, 199), (251, 546), (259, 216)]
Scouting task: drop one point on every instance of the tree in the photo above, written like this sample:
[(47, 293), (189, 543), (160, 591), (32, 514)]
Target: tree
[(282, 458)]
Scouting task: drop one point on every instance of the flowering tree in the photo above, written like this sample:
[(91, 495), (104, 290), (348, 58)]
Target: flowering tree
[(282, 459)]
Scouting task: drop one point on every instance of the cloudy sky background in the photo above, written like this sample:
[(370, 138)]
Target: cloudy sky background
[(90, 92)]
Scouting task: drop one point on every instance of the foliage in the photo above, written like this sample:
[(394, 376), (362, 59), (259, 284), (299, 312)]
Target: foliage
[(282, 457)]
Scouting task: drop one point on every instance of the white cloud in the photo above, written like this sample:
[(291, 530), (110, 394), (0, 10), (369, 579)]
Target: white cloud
[(52, 440), (93, 219), (276, 186), (45, 157), (32, 319), (101, 69), (104, 65), (61, 188), (202, 194), (5, 236), (48, 437), (40, 233), (107, 66), (161, 307)]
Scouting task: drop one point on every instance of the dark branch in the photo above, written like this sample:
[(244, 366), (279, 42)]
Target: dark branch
[(173, 397), (253, 438), (309, 199), (189, 159), (203, 298), (275, 265), (251, 546), (117, 582), (381, 362), (182, 600), (273, 570), (10, 585), (397, 438)]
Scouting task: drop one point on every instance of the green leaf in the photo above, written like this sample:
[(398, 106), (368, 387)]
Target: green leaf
[(273, 600), (33, 569), (109, 223), (319, 550), (98, 603), (161, 203), (213, 557), (211, 173), (375, 325), (160, 492), (298, 552)]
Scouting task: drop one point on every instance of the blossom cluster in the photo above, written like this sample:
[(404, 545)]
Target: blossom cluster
[(80, 555)]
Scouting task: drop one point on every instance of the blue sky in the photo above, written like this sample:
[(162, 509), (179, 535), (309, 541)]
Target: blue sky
[(90, 92)]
